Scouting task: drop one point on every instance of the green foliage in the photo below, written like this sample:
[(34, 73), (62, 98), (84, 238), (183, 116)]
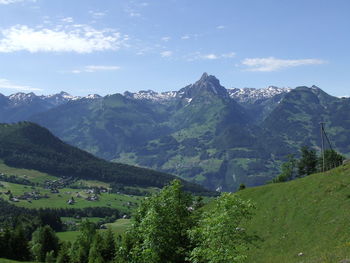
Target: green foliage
[(108, 248), (159, 234), (63, 253), (219, 236), (332, 159), (50, 258), (44, 241), (308, 162), (14, 244), (241, 187), (289, 171)]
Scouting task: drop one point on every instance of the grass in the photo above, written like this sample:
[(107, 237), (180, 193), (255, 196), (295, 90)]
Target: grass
[(31, 175), (124, 203), (118, 227), (308, 215)]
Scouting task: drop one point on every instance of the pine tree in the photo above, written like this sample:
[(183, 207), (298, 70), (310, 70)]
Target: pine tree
[(108, 246)]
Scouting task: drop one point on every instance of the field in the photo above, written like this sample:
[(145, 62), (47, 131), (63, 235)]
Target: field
[(31, 175), (308, 216), (122, 202), (118, 227)]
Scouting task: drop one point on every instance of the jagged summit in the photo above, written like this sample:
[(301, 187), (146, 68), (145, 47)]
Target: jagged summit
[(207, 84)]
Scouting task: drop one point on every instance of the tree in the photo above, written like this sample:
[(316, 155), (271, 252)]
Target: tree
[(241, 187), (19, 244), (80, 249), (108, 246), (159, 234), (288, 170), (63, 253), (219, 236), (332, 159), (95, 253), (44, 240), (50, 258), (308, 162)]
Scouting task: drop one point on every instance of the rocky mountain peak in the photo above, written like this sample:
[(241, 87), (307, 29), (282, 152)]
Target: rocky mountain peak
[(207, 84)]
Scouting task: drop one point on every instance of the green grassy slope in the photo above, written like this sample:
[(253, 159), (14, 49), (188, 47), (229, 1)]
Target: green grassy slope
[(309, 215), (27, 145)]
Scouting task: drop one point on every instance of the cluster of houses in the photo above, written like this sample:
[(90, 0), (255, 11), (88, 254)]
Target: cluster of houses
[(91, 195), (28, 196)]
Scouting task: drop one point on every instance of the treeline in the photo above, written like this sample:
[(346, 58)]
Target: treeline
[(170, 226), (27, 145), (13, 216), (308, 163)]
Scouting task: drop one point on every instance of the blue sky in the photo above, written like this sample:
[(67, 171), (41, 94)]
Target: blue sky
[(110, 46)]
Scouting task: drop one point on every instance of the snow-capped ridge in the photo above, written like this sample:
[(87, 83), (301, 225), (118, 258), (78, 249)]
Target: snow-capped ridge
[(152, 95), (252, 94)]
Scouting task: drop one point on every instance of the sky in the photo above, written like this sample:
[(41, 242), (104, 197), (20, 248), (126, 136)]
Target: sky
[(111, 46)]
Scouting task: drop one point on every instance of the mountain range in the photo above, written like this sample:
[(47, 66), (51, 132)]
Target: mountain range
[(204, 132)]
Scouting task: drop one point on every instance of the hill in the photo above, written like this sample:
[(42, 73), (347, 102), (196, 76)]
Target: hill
[(27, 145), (308, 215)]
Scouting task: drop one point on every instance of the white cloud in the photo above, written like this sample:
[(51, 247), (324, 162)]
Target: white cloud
[(95, 68), (210, 56), (185, 37), (6, 84), (273, 64), (220, 27), (68, 38), (165, 39), (166, 53), (7, 2)]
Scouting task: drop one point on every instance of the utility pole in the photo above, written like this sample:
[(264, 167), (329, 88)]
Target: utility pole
[(322, 144)]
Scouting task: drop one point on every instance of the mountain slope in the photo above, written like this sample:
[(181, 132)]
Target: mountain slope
[(204, 133), (200, 134), (27, 145), (308, 215), (296, 119)]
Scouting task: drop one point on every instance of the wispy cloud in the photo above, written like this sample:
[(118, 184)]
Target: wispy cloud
[(67, 20), (95, 68), (220, 27), (209, 56), (6, 84), (165, 39), (273, 64), (185, 37), (7, 2), (166, 53), (96, 14), (134, 8), (68, 38)]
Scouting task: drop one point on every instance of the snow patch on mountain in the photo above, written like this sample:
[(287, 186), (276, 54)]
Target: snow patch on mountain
[(21, 98), (152, 95), (251, 95)]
